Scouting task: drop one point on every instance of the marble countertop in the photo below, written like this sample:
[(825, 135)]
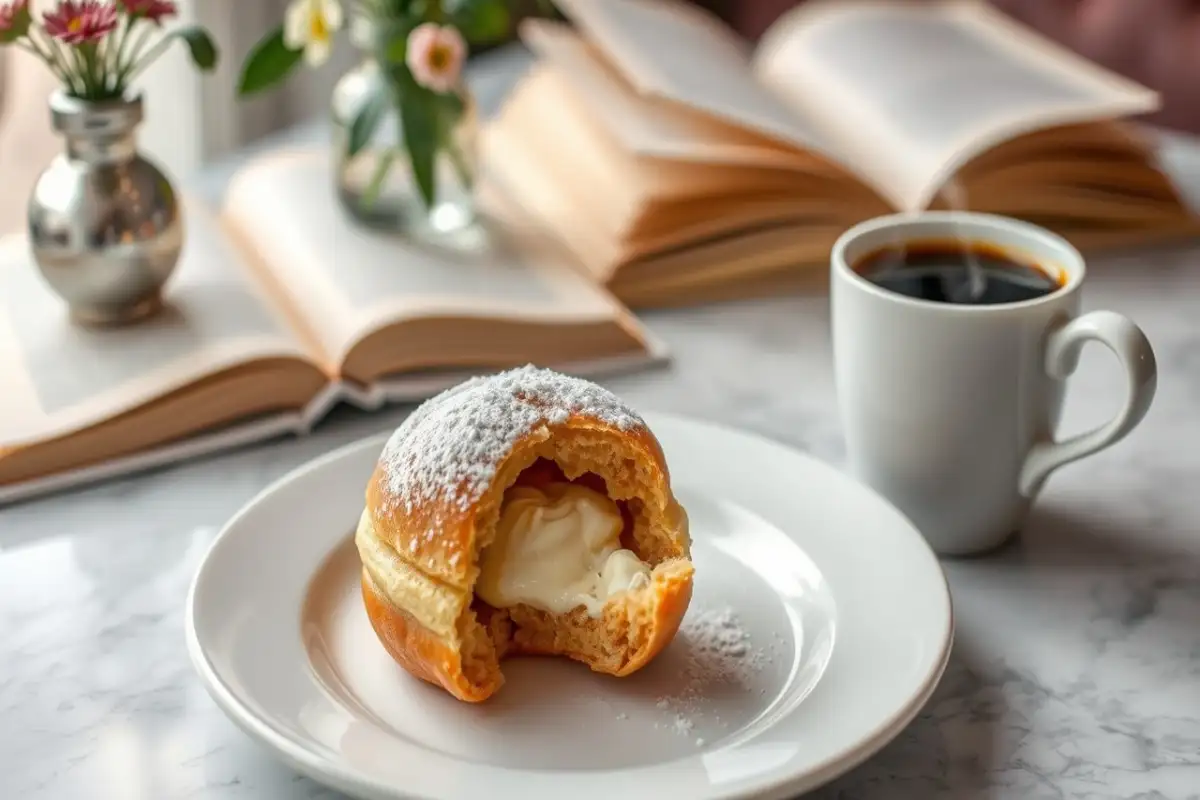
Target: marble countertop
[(1076, 668)]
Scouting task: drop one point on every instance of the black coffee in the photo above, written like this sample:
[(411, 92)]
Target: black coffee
[(965, 273)]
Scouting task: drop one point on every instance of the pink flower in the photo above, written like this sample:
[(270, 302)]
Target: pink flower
[(435, 56), (14, 20), (154, 10), (81, 21)]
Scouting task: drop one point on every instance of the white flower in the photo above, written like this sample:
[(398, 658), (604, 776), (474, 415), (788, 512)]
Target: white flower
[(311, 24), (435, 56)]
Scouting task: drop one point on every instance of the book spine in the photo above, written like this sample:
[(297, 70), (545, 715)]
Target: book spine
[(227, 439), (412, 388)]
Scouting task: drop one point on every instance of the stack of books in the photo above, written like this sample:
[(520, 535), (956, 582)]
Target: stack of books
[(679, 165)]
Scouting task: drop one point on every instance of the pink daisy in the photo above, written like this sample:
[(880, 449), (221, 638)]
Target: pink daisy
[(435, 56), (81, 21), (154, 10), (14, 20)]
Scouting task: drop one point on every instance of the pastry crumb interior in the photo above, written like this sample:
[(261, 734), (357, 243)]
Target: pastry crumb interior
[(607, 640)]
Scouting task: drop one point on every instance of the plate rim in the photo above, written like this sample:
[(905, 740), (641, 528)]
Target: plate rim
[(345, 779)]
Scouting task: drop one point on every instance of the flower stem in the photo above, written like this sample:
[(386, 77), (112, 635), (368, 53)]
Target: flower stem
[(151, 55), (119, 50), (52, 56), (80, 70), (30, 45), (459, 162), (139, 44), (75, 64), (371, 193), (134, 60), (103, 57), (90, 60)]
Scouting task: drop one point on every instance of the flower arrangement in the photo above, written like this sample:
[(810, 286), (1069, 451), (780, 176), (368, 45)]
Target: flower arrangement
[(98, 47), (419, 46)]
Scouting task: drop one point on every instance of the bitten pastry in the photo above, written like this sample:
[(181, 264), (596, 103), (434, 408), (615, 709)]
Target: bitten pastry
[(523, 513)]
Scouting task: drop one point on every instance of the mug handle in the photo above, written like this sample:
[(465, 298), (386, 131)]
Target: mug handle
[(1063, 347)]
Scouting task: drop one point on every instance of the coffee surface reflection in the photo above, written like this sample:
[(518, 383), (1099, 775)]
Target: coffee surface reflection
[(965, 273)]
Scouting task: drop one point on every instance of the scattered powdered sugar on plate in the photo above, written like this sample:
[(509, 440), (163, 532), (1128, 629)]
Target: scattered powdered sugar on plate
[(450, 446), (719, 657), (720, 646)]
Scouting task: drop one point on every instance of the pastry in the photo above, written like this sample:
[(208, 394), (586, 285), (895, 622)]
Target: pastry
[(526, 513)]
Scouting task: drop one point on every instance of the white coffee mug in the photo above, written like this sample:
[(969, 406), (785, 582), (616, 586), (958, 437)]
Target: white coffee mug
[(950, 411)]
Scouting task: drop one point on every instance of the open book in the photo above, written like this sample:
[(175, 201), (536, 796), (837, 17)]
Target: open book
[(280, 308), (677, 164)]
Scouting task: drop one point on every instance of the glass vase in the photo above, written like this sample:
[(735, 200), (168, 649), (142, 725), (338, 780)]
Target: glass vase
[(376, 184)]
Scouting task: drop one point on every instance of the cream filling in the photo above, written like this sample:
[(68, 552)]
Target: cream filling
[(556, 549)]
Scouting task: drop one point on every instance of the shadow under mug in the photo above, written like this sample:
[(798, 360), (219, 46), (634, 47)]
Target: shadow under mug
[(949, 411)]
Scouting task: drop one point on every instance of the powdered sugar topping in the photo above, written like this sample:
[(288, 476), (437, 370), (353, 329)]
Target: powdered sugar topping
[(450, 446)]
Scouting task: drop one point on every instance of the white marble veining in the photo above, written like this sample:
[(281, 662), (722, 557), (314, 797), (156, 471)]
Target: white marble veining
[(1076, 669)]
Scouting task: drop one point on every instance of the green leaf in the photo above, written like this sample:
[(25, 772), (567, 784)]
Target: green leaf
[(419, 116), (396, 50), (451, 108), (418, 9), (390, 35), (200, 45), (367, 120), (482, 21), (269, 63)]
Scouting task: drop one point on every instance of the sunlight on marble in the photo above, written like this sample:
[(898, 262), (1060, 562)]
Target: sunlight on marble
[(121, 763)]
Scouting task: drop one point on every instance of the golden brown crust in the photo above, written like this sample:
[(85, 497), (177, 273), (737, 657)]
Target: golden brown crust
[(420, 651), (444, 556), (670, 607), (432, 554)]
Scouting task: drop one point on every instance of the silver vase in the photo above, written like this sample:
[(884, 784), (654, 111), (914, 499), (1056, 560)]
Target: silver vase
[(105, 225)]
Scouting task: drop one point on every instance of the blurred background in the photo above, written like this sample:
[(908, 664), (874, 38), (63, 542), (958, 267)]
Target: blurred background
[(196, 118), (1155, 42)]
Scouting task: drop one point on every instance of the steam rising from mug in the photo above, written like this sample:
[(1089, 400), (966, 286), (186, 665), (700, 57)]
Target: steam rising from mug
[(972, 290)]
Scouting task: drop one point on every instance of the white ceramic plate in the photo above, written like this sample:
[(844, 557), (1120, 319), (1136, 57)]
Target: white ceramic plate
[(843, 610)]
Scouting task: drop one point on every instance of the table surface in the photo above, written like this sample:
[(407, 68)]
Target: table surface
[(1076, 667)]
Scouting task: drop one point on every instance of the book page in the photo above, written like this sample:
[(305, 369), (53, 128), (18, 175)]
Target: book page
[(61, 378), (615, 190), (349, 281), (668, 50), (916, 88), (641, 125)]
